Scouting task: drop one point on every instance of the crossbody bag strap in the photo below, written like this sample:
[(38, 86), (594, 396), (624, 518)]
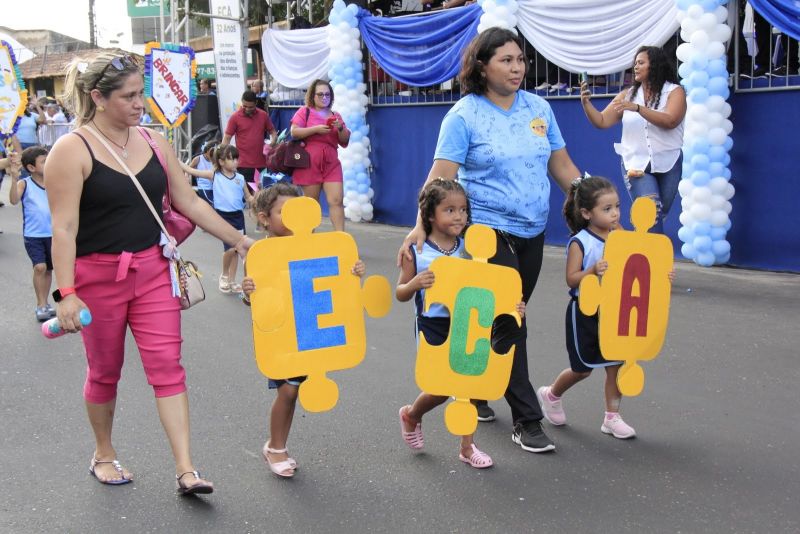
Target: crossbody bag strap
[(135, 180), (157, 151)]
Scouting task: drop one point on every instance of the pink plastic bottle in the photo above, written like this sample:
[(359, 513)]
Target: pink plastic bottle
[(51, 329)]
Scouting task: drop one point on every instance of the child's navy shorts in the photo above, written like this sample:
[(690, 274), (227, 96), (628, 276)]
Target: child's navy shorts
[(296, 381), (235, 219), (38, 249), (583, 341)]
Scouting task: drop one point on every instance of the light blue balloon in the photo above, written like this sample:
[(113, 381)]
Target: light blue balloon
[(701, 229), (705, 259), (728, 144), (700, 162), (686, 168), (699, 95), (709, 5), (716, 168), (702, 243), (700, 177), (727, 174), (723, 259), (362, 177), (700, 146), (699, 78), (685, 234), (688, 251), (720, 248), (362, 188), (356, 135), (349, 185), (717, 67), (699, 61), (717, 233), (718, 85), (717, 153), (727, 225), (685, 70), (683, 5)]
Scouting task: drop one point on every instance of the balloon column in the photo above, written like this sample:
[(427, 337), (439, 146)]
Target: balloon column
[(704, 189), (351, 102), (500, 13)]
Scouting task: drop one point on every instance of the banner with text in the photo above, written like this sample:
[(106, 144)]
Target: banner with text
[(169, 74), (228, 57)]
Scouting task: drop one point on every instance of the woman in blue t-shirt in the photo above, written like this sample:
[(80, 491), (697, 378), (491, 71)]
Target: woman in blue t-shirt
[(500, 143)]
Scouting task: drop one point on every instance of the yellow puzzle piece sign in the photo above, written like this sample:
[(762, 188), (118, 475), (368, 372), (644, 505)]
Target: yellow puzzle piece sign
[(465, 366), (308, 308), (633, 297)]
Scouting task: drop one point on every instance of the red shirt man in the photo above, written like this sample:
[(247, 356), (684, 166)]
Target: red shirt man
[(249, 124)]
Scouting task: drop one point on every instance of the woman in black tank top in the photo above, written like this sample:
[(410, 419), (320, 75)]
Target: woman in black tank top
[(106, 241)]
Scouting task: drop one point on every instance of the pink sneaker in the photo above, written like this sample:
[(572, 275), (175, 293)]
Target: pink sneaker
[(618, 428), (552, 409)]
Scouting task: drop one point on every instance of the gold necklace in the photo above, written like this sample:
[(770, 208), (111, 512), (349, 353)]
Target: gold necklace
[(121, 147)]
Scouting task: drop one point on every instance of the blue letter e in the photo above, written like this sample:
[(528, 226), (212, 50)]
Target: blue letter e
[(309, 304)]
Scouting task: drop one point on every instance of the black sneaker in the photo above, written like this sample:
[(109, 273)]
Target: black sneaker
[(531, 437), (485, 412)]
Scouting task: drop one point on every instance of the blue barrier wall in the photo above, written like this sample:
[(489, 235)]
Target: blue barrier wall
[(764, 161)]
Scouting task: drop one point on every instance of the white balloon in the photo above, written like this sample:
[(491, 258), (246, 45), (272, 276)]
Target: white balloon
[(707, 21), (718, 185), (715, 103), (685, 188), (701, 194), (718, 218), (698, 112), (729, 191), (715, 50), (684, 52), (686, 218), (700, 40), (371, 193), (364, 199), (727, 126), (728, 207), (700, 212), (695, 11), (686, 203), (716, 202), (716, 136), (351, 195), (721, 14), (721, 33)]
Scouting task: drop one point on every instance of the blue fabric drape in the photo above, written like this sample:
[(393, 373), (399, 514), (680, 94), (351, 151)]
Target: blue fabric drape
[(783, 14), (424, 50)]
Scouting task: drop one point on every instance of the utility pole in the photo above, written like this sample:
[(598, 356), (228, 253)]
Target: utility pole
[(92, 32)]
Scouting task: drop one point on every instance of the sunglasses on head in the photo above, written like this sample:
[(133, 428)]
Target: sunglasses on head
[(119, 63)]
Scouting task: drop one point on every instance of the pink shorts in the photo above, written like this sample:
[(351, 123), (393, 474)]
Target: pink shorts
[(325, 166), (130, 290)]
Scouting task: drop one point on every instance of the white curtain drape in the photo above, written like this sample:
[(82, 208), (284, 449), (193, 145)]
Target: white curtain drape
[(297, 57), (600, 37)]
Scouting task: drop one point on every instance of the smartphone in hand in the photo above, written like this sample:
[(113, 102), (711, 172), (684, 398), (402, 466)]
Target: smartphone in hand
[(585, 77)]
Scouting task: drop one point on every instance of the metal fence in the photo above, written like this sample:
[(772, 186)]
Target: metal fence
[(48, 134), (548, 80)]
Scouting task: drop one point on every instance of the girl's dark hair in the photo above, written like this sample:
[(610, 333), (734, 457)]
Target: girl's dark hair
[(264, 199), (313, 89), (583, 195), (224, 152), (477, 55), (209, 145), (432, 195), (661, 71)]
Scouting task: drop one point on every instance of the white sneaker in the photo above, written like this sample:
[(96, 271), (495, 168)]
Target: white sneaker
[(544, 86), (617, 427), (557, 87), (553, 410)]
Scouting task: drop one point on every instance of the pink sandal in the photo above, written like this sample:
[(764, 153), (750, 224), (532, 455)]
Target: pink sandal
[(478, 459), (413, 439), (285, 468)]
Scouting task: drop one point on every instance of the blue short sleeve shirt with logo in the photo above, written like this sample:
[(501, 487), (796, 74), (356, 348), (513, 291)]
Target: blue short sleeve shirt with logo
[(503, 156)]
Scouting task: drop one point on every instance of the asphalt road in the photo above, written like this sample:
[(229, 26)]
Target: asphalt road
[(717, 446)]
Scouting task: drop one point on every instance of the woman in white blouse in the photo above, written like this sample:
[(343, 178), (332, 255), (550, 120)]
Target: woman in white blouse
[(652, 112)]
